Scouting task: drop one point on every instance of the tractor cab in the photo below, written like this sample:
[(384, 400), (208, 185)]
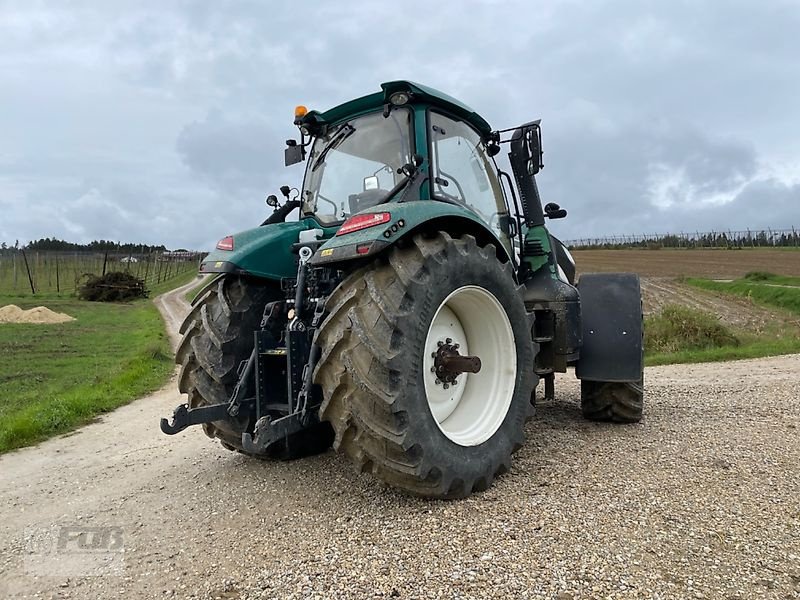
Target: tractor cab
[(407, 143)]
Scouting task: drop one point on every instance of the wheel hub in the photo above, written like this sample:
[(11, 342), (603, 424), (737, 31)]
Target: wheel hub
[(448, 363)]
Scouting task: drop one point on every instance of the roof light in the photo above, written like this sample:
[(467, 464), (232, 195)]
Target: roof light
[(300, 111), (399, 98), (225, 243), (359, 222)]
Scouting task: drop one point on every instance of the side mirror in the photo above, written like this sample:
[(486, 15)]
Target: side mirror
[(409, 169), (525, 157), (554, 211), (294, 153), (371, 183), (272, 200)]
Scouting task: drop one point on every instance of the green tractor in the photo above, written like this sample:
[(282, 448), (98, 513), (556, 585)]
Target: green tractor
[(408, 315)]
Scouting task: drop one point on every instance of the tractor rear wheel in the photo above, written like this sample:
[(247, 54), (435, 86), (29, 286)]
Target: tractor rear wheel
[(217, 337), (609, 401), (398, 370)]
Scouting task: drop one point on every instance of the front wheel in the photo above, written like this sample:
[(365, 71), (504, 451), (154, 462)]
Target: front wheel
[(427, 366), (611, 401)]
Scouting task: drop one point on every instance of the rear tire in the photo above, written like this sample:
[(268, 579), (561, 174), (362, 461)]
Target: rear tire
[(217, 337), (612, 402), (375, 367)]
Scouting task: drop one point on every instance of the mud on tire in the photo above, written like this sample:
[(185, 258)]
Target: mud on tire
[(371, 368)]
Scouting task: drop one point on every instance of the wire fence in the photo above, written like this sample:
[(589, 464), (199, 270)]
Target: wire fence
[(32, 272), (767, 238)]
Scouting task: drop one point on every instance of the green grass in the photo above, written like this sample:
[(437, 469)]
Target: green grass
[(764, 277), (194, 291), (749, 349), (684, 335), (677, 328), (173, 282), (765, 293), (54, 378)]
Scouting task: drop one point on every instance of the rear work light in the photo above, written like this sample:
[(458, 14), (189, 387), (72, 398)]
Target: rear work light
[(359, 222), (225, 243)]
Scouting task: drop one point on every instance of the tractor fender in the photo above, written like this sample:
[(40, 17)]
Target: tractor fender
[(611, 312), (264, 252), (405, 219)]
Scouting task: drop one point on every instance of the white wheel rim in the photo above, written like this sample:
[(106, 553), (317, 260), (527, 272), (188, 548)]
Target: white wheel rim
[(470, 412)]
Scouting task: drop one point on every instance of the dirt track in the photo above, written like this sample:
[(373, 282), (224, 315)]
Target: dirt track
[(700, 500), (658, 292)]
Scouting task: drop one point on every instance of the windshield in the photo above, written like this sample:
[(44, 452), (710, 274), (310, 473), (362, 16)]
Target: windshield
[(356, 164)]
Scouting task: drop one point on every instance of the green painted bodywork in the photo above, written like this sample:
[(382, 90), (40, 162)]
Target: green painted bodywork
[(264, 251), (539, 234)]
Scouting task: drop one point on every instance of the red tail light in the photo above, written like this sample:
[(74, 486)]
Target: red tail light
[(225, 243), (359, 222)]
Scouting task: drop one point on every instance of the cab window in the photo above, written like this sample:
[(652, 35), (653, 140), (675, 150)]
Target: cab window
[(462, 172)]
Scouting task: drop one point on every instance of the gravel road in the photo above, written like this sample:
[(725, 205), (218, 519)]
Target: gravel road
[(700, 500)]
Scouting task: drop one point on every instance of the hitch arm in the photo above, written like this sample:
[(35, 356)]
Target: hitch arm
[(184, 416)]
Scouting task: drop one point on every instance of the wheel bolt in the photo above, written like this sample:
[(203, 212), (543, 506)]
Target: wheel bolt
[(433, 354), (438, 382), (445, 386), (456, 346), (449, 341), (455, 382), (440, 343), (433, 369)]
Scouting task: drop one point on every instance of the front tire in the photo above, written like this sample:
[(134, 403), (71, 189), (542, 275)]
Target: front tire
[(612, 402), (217, 337), (385, 322)]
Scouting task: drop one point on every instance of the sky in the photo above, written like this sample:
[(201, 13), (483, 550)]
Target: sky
[(165, 122)]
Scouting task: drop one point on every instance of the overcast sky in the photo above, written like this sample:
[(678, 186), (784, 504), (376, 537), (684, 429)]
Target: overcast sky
[(164, 122)]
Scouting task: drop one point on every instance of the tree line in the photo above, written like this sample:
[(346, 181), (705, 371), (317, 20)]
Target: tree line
[(55, 244)]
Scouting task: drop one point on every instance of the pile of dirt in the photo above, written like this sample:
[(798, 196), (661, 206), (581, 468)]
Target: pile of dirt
[(41, 314), (116, 286)]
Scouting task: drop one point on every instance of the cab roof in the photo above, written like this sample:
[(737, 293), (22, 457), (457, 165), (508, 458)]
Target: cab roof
[(418, 93)]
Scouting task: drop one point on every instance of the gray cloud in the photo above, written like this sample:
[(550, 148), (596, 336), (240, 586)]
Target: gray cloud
[(165, 123)]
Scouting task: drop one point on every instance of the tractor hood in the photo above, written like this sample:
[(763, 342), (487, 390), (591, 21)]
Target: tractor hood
[(263, 251)]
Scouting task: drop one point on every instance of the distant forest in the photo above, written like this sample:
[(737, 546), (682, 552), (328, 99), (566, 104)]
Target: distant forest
[(51, 244)]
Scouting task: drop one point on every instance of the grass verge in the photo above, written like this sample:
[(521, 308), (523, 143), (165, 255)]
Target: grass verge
[(56, 377), (195, 290), (774, 292), (682, 335)]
